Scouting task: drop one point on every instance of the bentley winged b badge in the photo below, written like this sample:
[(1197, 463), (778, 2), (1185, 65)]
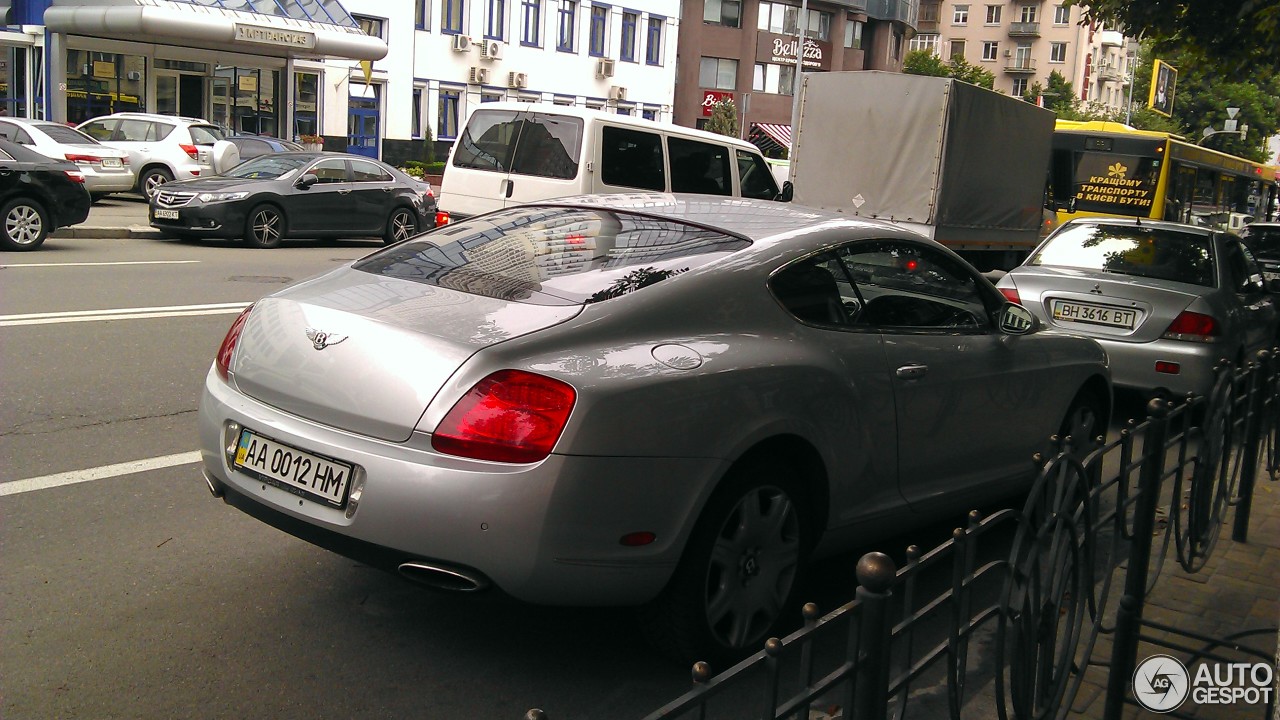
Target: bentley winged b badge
[(321, 340)]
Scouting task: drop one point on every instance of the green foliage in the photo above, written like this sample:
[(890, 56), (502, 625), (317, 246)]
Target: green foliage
[(429, 146), (724, 119), (924, 62), (961, 70), (1233, 34)]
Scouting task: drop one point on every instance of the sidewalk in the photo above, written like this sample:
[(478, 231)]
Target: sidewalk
[(115, 216)]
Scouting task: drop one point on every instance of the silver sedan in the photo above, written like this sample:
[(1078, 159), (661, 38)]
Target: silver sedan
[(664, 401), (1167, 301)]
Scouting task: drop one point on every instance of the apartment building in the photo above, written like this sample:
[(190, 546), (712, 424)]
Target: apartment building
[(1022, 41)]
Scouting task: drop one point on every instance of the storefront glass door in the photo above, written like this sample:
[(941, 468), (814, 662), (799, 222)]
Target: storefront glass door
[(362, 120), (180, 94)]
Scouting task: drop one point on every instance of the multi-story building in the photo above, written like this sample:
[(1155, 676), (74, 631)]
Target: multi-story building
[(1022, 41), (745, 51)]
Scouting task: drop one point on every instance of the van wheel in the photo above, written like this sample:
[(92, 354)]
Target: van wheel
[(265, 227), (400, 226), (25, 224), (738, 576)]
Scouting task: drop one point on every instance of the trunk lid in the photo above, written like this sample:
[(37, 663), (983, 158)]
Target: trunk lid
[(367, 353), (1126, 308)]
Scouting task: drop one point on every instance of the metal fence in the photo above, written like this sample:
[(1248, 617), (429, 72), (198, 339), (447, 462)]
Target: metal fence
[(1020, 626)]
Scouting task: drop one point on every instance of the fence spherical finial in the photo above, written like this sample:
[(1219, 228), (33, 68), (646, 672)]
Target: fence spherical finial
[(535, 714), (701, 672), (876, 571)]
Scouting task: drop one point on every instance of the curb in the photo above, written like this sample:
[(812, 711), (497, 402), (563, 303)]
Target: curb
[(108, 232)]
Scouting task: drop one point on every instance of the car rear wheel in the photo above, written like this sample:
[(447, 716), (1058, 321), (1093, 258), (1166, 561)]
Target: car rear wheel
[(265, 227), (400, 226), (26, 224), (737, 578), (1085, 419), (152, 179)]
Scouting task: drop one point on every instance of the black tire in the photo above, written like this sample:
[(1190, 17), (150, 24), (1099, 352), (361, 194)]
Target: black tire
[(94, 198), (736, 582), (1086, 419), (24, 224), (151, 179), (402, 225), (265, 226)]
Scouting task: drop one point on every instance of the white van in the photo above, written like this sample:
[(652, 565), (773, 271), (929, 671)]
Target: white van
[(513, 152)]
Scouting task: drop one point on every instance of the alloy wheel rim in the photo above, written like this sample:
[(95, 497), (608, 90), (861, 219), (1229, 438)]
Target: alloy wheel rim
[(266, 227), (753, 567), (23, 225), (401, 226), (154, 181)]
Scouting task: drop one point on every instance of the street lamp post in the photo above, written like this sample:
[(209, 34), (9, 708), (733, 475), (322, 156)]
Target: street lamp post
[(1228, 128)]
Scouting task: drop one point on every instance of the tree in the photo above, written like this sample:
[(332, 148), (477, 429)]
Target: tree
[(1238, 34), (925, 62), (724, 119), (961, 70)]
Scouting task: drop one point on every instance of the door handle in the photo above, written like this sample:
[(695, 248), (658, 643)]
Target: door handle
[(912, 372), (386, 190), (511, 186), (344, 192)]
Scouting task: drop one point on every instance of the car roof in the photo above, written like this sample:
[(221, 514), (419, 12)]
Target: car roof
[(1142, 222), (627, 120), (153, 116)]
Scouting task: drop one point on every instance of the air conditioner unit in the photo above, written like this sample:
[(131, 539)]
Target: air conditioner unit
[(133, 75), (617, 92), (461, 43), (478, 76), (517, 80), (604, 68), (1008, 53), (491, 50)]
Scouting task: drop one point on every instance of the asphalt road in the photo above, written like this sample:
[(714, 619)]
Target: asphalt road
[(136, 594)]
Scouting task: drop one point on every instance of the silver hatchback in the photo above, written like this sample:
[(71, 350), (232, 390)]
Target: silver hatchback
[(654, 400), (1167, 301)]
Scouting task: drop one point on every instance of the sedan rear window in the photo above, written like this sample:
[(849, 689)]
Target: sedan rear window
[(1156, 253), (63, 134), (553, 255)]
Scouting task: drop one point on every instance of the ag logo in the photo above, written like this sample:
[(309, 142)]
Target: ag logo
[(1161, 683)]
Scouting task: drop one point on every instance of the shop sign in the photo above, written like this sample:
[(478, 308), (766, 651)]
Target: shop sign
[(248, 83), (781, 50), (104, 69), (274, 36), (711, 97)]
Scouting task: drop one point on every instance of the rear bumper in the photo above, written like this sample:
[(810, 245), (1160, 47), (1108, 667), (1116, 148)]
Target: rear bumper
[(1133, 365)]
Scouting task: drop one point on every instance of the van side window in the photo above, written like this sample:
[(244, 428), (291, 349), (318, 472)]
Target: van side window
[(698, 167), (755, 178), (488, 141), (631, 158), (548, 146)]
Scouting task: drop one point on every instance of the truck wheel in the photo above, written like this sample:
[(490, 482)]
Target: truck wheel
[(738, 576), (26, 224)]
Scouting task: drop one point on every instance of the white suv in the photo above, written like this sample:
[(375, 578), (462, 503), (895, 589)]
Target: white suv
[(163, 148)]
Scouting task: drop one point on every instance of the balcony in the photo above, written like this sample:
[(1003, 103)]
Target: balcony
[(1024, 29), (1020, 66), (1111, 73)]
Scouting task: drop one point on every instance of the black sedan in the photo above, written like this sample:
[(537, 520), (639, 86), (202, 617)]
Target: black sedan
[(297, 195), (37, 195)]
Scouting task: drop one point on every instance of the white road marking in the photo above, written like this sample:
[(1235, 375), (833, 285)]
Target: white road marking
[(93, 264), (99, 473), (53, 318)]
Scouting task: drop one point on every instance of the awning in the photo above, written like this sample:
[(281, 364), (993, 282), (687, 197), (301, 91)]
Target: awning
[(280, 28), (771, 133)]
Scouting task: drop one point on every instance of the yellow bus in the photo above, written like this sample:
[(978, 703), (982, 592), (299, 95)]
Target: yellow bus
[(1107, 168)]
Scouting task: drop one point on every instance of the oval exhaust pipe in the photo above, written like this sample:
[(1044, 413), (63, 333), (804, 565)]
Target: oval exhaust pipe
[(442, 578)]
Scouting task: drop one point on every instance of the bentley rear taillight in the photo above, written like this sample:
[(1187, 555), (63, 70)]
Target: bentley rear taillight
[(228, 348), (510, 416)]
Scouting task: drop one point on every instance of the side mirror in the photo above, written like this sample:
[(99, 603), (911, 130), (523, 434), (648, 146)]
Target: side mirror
[(307, 180), (1017, 320), (788, 191)]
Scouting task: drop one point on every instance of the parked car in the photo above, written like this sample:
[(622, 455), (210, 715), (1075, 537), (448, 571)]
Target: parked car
[(106, 170), (297, 194), (38, 194), (1263, 240), (644, 399), (164, 148), (1166, 300), (251, 146)]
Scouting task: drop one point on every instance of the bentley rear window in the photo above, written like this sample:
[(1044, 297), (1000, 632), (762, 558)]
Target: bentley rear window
[(553, 255)]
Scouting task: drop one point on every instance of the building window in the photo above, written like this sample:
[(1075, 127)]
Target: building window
[(781, 19), (495, 29), (960, 15), (1061, 15), (568, 25), (957, 49), (722, 12), (925, 41), (993, 14), (649, 114), (599, 30), (1057, 52), (451, 14), (990, 50), (420, 14), (532, 23), (488, 97), (718, 73), (1019, 87), (653, 41), (929, 12), (627, 51), (417, 112), (306, 104), (1028, 13), (373, 27), (447, 123), (853, 34), (775, 79)]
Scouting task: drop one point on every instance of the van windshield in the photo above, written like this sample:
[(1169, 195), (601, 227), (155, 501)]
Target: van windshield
[(549, 255), (522, 143)]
